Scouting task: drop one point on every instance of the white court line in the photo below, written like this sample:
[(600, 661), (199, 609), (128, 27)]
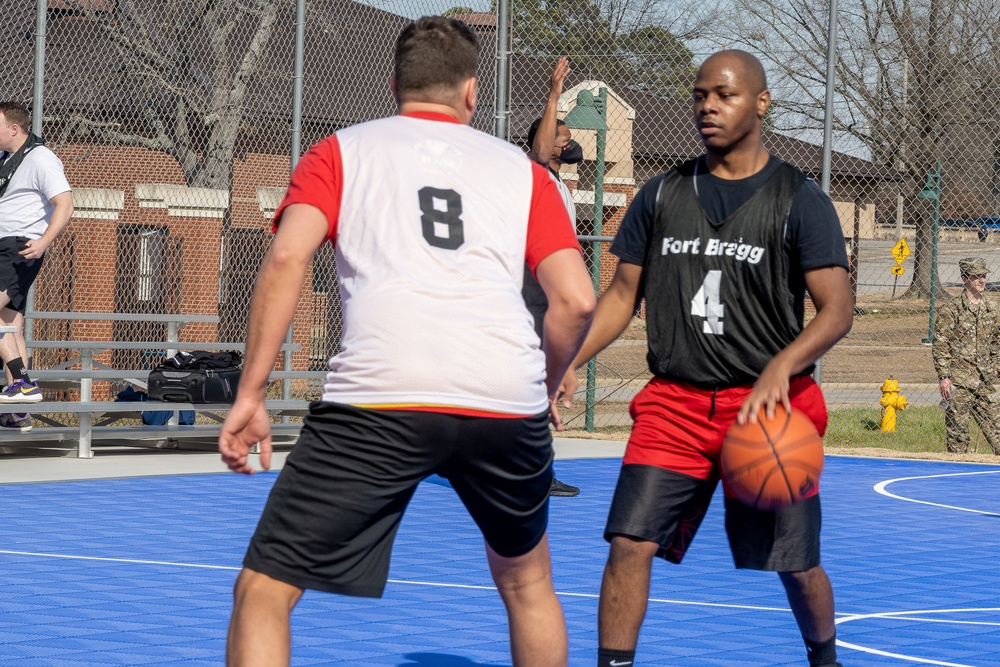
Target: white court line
[(394, 581), (881, 488), (844, 617), (117, 560), (908, 615)]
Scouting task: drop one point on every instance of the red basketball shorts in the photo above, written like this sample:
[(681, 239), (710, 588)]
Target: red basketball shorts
[(676, 426)]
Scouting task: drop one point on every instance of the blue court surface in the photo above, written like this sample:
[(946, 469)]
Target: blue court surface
[(138, 572)]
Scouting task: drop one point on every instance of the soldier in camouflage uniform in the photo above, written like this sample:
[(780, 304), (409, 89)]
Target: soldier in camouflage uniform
[(967, 359)]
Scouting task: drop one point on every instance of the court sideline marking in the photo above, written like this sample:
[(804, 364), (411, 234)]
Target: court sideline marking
[(136, 561), (844, 617)]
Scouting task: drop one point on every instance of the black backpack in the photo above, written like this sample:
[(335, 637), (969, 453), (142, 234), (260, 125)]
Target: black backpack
[(196, 377)]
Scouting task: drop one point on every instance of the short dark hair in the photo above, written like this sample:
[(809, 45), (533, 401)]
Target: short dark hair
[(533, 130), (16, 113), (434, 55)]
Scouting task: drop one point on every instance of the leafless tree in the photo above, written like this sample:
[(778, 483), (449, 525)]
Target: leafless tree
[(175, 75), (916, 82)]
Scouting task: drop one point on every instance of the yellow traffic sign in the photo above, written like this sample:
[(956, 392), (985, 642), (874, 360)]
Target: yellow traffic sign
[(901, 251), (898, 269)]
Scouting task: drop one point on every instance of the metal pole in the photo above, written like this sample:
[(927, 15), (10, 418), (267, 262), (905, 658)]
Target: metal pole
[(595, 251), (296, 151), (38, 98), (41, 14), (934, 249), (297, 77), (500, 114), (831, 73)]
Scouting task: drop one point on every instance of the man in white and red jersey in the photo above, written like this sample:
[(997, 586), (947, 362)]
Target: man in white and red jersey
[(439, 371)]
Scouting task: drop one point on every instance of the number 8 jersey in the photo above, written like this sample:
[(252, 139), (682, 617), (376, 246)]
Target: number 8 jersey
[(432, 222)]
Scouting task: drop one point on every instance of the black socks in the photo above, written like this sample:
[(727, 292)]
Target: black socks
[(17, 369), (607, 657), (822, 654)]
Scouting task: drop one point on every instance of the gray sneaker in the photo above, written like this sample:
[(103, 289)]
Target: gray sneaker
[(20, 422)]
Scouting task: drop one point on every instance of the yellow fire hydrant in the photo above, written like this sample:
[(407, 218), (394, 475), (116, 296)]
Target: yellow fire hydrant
[(891, 401)]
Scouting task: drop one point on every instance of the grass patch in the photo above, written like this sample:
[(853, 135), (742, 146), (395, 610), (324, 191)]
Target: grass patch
[(918, 429)]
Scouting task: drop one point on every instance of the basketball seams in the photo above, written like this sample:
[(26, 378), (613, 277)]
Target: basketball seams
[(766, 472), (777, 459)]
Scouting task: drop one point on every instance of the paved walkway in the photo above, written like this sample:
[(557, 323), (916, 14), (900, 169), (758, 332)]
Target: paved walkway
[(120, 462)]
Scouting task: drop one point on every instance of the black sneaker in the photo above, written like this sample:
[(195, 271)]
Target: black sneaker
[(560, 489)]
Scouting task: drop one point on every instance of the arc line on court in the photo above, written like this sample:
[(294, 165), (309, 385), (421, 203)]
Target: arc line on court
[(880, 488), (908, 615)]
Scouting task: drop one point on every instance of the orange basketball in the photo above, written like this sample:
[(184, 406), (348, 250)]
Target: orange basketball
[(772, 463)]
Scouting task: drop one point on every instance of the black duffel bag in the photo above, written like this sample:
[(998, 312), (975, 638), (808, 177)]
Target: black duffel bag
[(196, 377)]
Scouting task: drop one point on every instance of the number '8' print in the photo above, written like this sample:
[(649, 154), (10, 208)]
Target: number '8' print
[(442, 228)]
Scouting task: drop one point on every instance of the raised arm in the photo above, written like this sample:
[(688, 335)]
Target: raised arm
[(830, 289), (543, 147)]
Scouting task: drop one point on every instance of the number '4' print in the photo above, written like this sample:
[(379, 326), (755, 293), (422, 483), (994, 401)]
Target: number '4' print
[(706, 303)]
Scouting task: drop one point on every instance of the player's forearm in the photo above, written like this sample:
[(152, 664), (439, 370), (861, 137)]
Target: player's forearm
[(611, 318), (272, 308), (565, 328), (832, 322)]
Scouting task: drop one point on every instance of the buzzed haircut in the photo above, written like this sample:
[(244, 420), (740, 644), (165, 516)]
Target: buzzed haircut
[(753, 71), (16, 114), (434, 55), (533, 130)]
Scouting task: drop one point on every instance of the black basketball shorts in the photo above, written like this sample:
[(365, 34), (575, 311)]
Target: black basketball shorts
[(17, 273), (667, 507), (332, 516)]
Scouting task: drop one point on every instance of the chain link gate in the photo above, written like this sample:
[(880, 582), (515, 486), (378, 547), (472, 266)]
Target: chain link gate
[(178, 119)]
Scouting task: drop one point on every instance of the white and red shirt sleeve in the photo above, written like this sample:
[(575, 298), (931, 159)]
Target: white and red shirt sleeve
[(318, 180), (549, 226)]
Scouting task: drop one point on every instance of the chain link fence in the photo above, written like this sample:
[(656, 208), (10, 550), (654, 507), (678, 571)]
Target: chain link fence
[(177, 121)]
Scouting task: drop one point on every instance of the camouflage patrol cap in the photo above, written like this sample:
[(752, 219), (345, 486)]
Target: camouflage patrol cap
[(972, 266)]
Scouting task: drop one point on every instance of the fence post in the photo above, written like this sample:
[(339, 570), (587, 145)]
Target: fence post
[(41, 15), (500, 114), (296, 151), (831, 75)]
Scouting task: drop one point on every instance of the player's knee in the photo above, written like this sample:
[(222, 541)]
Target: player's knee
[(631, 551), (252, 586), (803, 579)]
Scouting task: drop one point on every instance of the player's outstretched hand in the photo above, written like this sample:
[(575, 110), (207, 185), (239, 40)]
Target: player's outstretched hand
[(559, 74), (246, 425), (770, 389)]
